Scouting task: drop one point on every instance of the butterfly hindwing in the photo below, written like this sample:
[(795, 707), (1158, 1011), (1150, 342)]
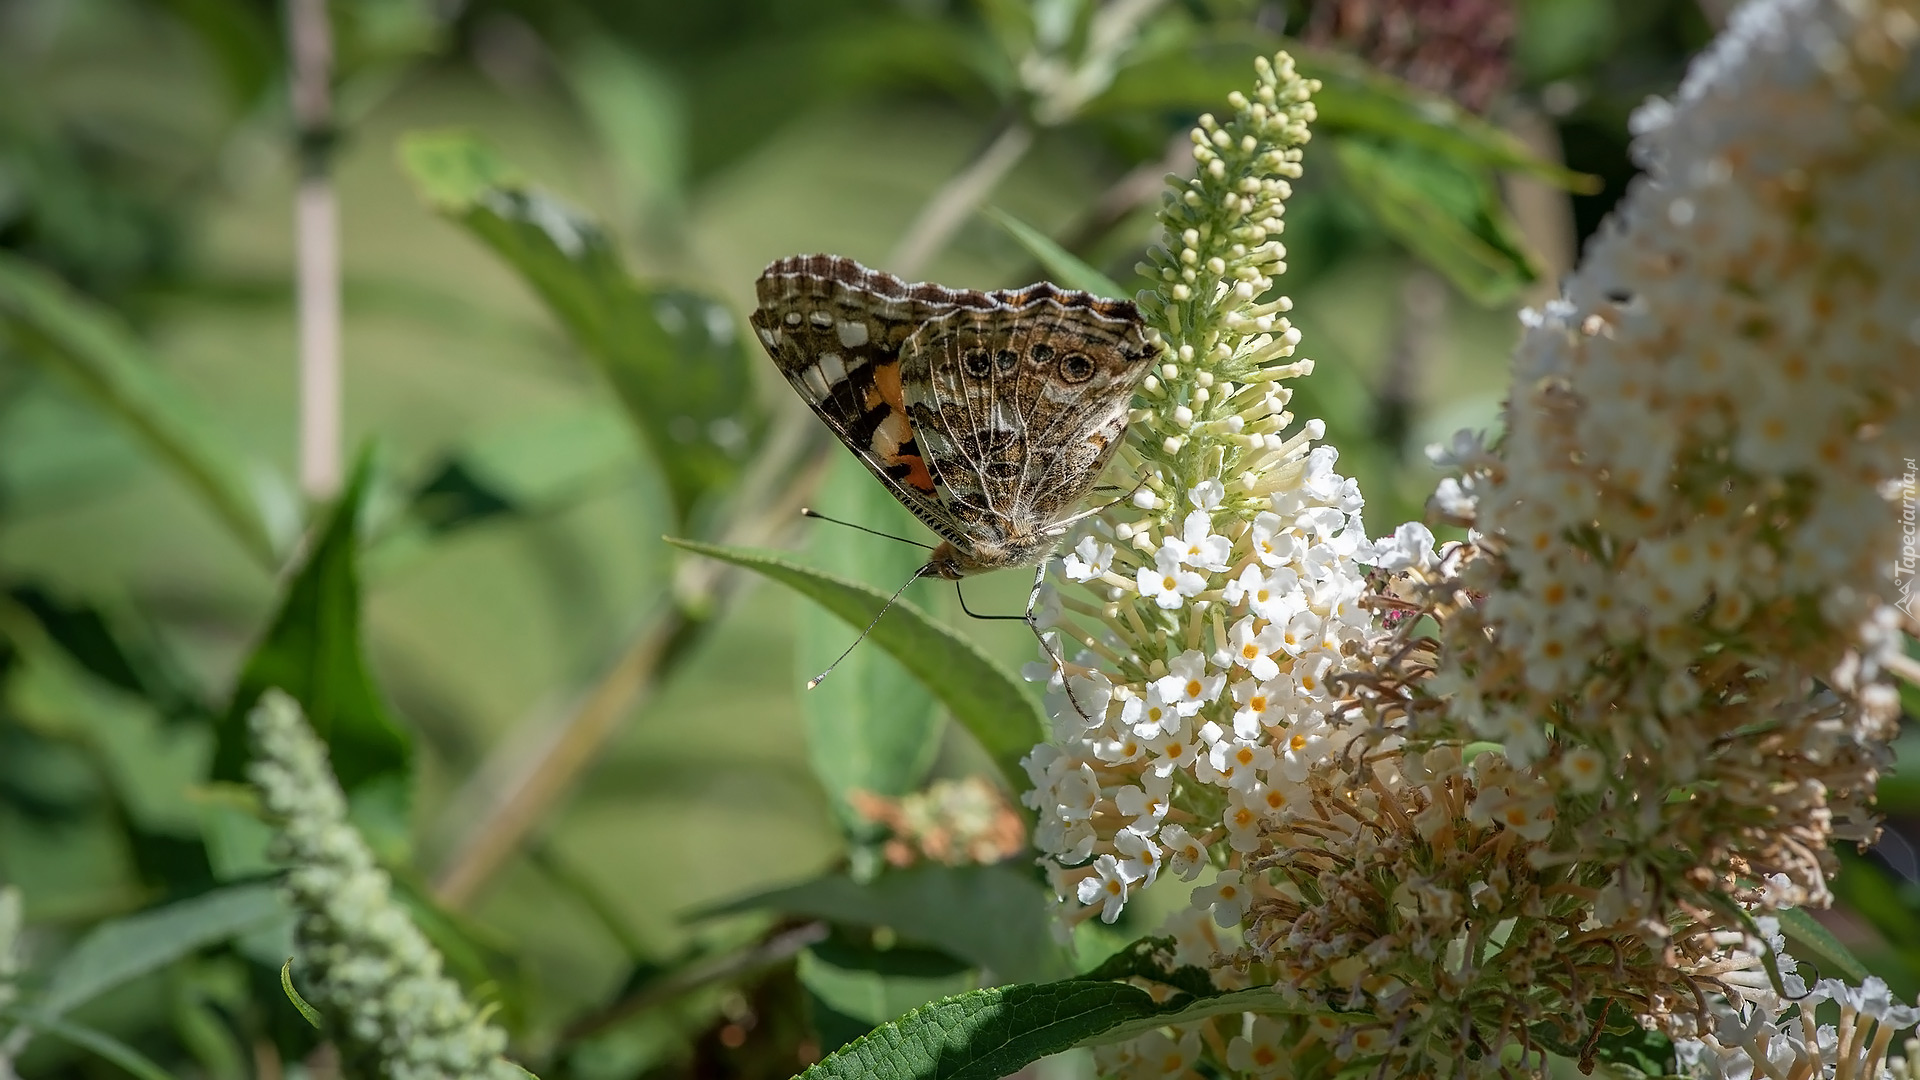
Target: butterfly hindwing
[(1020, 407)]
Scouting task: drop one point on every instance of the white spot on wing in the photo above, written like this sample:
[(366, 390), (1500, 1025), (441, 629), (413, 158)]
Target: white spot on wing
[(831, 368), (821, 319), (853, 334), (769, 337), (816, 382), (793, 318)]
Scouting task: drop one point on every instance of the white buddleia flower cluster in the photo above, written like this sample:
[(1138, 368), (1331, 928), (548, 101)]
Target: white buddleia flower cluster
[(1671, 621), (361, 961), (1225, 598), (1684, 542)]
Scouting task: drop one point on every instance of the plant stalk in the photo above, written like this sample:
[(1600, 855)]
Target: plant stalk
[(316, 249)]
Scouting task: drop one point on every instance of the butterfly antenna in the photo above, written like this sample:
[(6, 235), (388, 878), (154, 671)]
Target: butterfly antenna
[(808, 511), (816, 680)]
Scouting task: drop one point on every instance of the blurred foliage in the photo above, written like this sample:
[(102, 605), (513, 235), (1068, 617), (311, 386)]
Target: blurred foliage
[(545, 289)]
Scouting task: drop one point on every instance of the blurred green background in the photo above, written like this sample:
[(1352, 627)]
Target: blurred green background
[(513, 526)]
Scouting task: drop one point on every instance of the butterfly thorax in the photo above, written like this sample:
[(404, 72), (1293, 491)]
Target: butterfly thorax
[(951, 562)]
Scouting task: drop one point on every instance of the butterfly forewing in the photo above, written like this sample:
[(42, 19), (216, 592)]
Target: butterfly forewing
[(834, 329)]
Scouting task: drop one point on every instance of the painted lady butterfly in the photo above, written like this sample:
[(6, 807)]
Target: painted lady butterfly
[(988, 414)]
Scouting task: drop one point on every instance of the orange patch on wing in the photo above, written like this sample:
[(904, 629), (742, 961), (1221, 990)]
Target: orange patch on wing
[(886, 384), (893, 433), (917, 475)]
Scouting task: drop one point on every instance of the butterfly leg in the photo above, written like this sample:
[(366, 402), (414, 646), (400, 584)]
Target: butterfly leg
[(1053, 655)]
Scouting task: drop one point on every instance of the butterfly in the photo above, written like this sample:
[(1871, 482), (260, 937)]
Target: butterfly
[(989, 415)]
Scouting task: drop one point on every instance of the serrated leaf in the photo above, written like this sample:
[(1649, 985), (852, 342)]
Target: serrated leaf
[(873, 726), (1064, 267), (986, 1034), (1142, 959), (1185, 1009), (981, 694), (308, 1012), (1450, 217), (996, 1032), (92, 351), (98, 1042), (674, 356), (312, 650), (127, 948), (995, 917), (1807, 940)]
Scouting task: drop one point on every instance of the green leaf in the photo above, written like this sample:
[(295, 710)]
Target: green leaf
[(124, 949), (640, 115), (986, 1034), (312, 650), (1891, 905), (874, 986), (1196, 76), (534, 468), (240, 38), (674, 356), (114, 646), (995, 917), (1065, 267), (94, 353), (981, 694), (106, 1046), (995, 1032), (871, 727), (311, 1014), (1450, 217), (1899, 791), (1808, 940)]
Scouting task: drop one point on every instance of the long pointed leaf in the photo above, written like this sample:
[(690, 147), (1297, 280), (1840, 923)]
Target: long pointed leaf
[(995, 917), (1066, 267), (986, 1034), (872, 727), (674, 356), (1808, 940), (1198, 75), (124, 949), (981, 694), (1449, 216), (992, 1033), (106, 1046), (313, 651), (93, 351)]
